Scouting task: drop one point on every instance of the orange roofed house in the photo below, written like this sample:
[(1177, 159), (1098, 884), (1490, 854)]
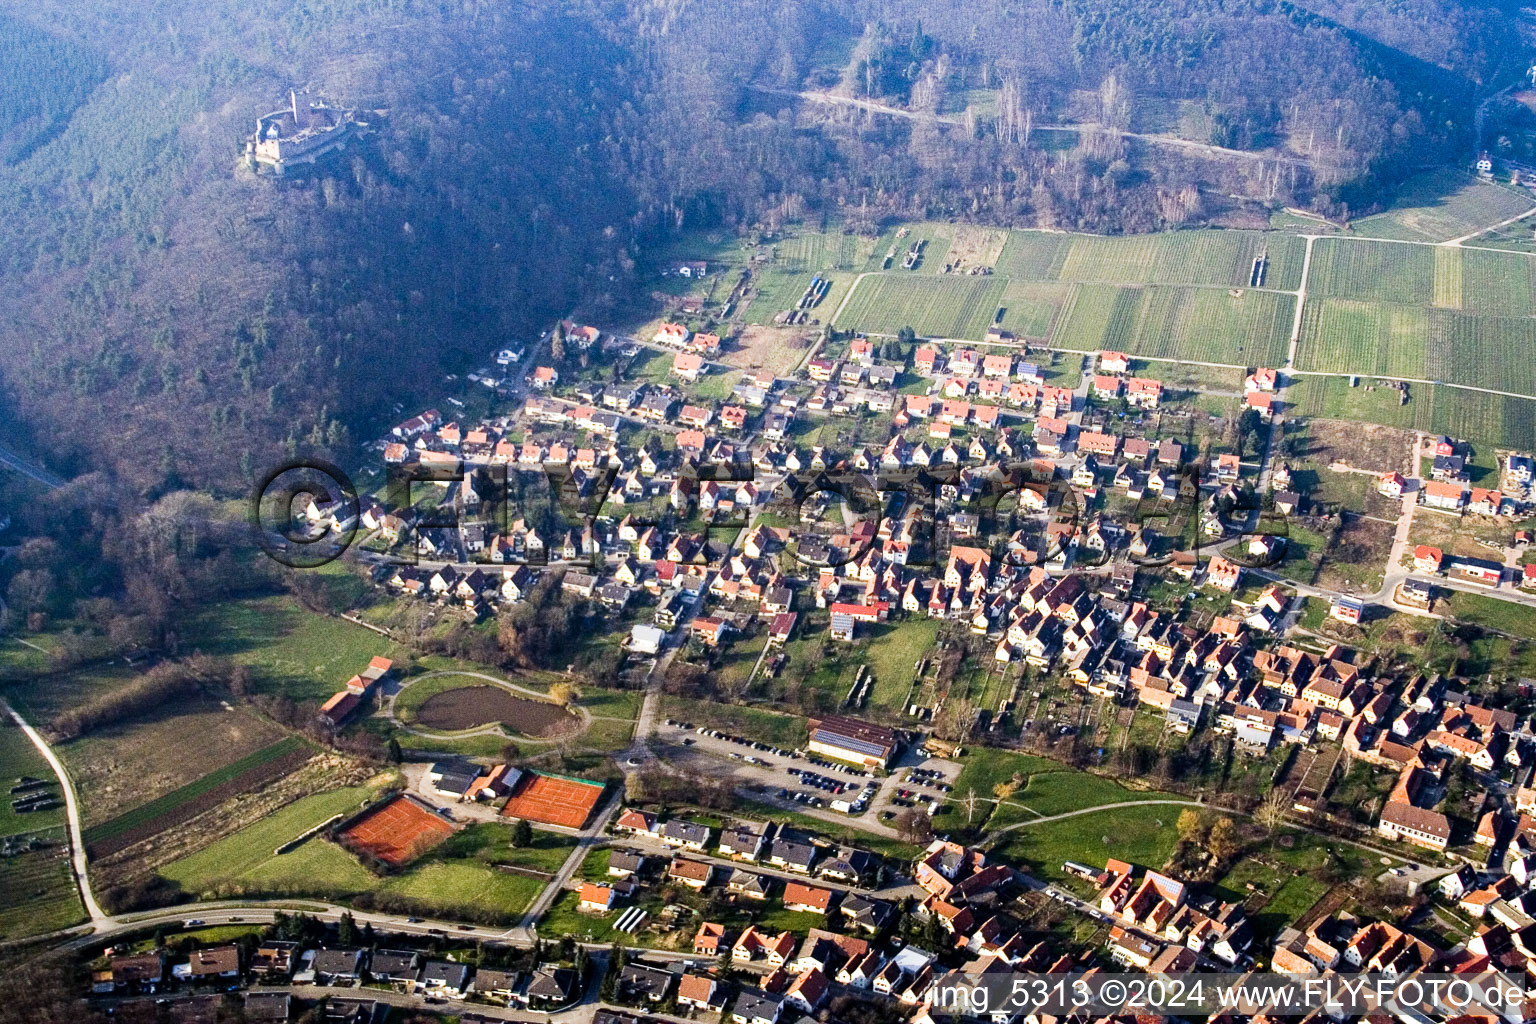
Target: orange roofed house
[(670, 334), (596, 897), (812, 898), (688, 365), (1144, 392)]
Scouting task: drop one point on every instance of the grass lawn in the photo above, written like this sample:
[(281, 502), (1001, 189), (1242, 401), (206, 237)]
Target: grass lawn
[(1286, 896), (1141, 835), (612, 703), (1505, 616), (250, 851), (594, 866), (449, 885), (292, 651), (563, 918), (1061, 791), (716, 385), (317, 868), (459, 874), (739, 660), (607, 735), (206, 936), (19, 662), (489, 842), (468, 746), (892, 653), (19, 757), (983, 768)]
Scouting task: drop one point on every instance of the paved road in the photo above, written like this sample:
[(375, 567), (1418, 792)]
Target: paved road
[(254, 911), (71, 812), (587, 839)]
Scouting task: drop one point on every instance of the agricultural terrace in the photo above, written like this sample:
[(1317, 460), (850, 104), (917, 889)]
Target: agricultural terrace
[(1463, 316), (19, 759), (941, 307), (1216, 258), (186, 802), (1185, 295), (37, 890), (1240, 327), (1442, 205), (130, 763)]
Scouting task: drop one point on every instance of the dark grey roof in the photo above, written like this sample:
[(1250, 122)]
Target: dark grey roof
[(552, 983), (456, 781), (747, 881), (640, 979), (489, 980), (738, 837), (754, 1003), (626, 860), (792, 851), (350, 1010), (337, 961), (392, 964), (685, 831), (267, 1006), (865, 911), (445, 972)]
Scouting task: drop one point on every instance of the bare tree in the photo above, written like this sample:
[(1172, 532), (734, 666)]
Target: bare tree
[(971, 800), (913, 826), (1115, 103), (1271, 812)]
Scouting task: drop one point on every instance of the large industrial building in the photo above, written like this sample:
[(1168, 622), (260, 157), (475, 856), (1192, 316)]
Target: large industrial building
[(848, 739)]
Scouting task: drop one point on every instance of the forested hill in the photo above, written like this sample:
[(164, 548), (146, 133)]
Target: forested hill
[(175, 320), (182, 321)]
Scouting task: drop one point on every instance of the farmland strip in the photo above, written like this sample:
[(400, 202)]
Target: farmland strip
[(185, 803)]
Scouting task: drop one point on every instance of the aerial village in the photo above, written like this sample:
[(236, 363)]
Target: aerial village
[(1038, 530)]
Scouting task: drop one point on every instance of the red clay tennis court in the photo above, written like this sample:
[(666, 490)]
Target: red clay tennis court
[(554, 800), (397, 832)]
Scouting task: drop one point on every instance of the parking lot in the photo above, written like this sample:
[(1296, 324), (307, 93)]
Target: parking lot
[(916, 780)]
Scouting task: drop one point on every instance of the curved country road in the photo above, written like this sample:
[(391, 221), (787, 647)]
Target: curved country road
[(72, 813)]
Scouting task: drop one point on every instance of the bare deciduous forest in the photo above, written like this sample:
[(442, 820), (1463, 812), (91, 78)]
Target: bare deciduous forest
[(192, 322)]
